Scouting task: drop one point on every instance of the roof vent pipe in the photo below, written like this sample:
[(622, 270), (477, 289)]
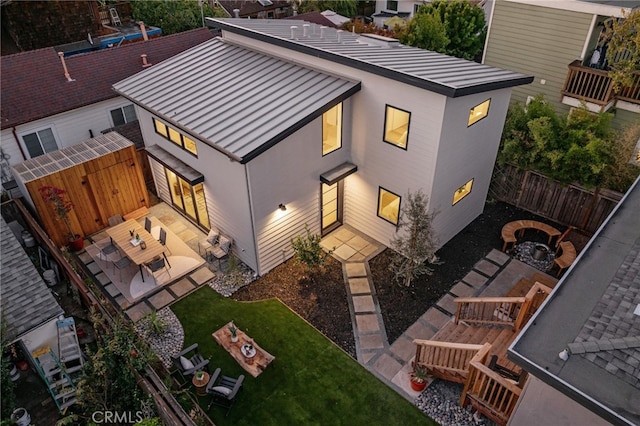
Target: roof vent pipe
[(144, 61), (339, 34), (64, 65), (293, 31), (236, 13), (143, 29), (305, 30), (322, 28)]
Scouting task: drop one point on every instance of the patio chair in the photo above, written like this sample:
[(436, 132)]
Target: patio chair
[(115, 220), (107, 250), (222, 249), (155, 265), (122, 263), (147, 224), (224, 391), (163, 239), (188, 361), (205, 245)]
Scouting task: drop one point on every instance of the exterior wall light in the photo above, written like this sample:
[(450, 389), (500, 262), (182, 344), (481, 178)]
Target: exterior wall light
[(282, 207)]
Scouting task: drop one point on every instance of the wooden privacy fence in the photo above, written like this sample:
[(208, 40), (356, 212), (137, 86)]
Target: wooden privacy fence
[(570, 205)]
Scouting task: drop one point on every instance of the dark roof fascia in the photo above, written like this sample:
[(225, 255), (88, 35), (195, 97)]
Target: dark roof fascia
[(300, 124), (178, 164), (338, 173), (372, 68), (179, 126), (566, 389)]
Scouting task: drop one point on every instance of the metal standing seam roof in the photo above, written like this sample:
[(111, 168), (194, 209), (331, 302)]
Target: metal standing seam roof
[(26, 300), (239, 100), (429, 70)]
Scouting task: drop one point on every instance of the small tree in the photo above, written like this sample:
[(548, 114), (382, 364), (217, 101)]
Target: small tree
[(414, 242), (425, 31), (623, 48), (308, 251), (174, 16)]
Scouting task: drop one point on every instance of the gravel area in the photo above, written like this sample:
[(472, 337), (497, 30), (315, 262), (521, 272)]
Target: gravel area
[(440, 402), (164, 344)]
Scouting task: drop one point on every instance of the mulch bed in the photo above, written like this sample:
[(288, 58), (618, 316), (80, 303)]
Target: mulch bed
[(322, 300)]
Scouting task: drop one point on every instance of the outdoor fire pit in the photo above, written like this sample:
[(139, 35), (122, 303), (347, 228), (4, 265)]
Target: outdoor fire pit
[(539, 251)]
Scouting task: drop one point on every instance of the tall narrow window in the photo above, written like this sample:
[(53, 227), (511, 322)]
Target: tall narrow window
[(40, 142), (396, 126), (332, 129), (189, 199), (123, 115), (478, 112), (462, 192), (388, 206)]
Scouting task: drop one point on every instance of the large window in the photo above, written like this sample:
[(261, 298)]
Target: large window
[(396, 126), (462, 192), (478, 112), (388, 206), (175, 136), (123, 115), (40, 142), (188, 198), (332, 129)]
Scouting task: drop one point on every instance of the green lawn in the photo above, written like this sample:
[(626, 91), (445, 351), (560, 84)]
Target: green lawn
[(311, 381)]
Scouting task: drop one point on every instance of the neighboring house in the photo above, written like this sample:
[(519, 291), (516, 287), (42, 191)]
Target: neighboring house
[(328, 18), (582, 348), (279, 124), (555, 41), (29, 310), (43, 110), (255, 9), (405, 9)]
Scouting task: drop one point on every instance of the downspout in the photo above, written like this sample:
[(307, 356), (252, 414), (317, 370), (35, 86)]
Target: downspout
[(15, 135), (253, 229)]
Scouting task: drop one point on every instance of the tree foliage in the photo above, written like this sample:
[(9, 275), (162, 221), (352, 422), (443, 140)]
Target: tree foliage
[(579, 147), (308, 251), (425, 31), (415, 243), (623, 52), (346, 8), (464, 28), (173, 16)]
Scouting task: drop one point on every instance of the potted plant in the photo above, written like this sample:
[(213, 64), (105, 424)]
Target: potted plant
[(419, 378), (62, 207), (199, 375), (234, 332)]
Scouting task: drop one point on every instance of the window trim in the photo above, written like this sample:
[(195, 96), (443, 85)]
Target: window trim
[(341, 128), (180, 143), (462, 196), (384, 128), (36, 130), (124, 116), (380, 189), (469, 123)]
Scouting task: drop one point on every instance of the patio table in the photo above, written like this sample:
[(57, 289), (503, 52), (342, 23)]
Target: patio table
[(255, 360), (121, 236)]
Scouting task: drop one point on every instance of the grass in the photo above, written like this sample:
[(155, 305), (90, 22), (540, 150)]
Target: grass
[(311, 381)]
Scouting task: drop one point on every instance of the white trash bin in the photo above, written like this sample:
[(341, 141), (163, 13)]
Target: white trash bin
[(50, 277)]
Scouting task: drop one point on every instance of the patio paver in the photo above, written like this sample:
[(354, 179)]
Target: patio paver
[(447, 303), (359, 285), (161, 299), (404, 348), (138, 311), (358, 243), (462, 290), (356, 269), (367, 323), (182, 287), (419, 330), (498, 257), (202, 275), (363, 304), (371, 341), (435, 317), (344, 235), (474, 279), (387, 366), (344, 252), (486, 267)]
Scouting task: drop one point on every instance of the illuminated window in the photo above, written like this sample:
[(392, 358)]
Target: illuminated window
[(176, 137), (478, 112), (388, 206), (462, 192), (396, 126), (332, 129)]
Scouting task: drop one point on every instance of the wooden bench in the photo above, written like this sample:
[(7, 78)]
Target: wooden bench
[(511, 230), (566, 258), (137, 213)]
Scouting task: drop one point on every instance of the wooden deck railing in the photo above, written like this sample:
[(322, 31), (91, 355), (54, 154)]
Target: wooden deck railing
[(489, 310), (489, 393), (446, 360), (595, 86)]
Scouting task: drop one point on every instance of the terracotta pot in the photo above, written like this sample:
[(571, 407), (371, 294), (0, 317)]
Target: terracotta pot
[(76, 244), (418, 386)]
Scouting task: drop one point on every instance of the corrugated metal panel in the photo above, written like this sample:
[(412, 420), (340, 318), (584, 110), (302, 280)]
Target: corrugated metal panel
[(433, 71), (240, 100)]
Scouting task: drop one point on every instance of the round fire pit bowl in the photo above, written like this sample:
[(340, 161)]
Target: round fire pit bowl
[(540, 251)]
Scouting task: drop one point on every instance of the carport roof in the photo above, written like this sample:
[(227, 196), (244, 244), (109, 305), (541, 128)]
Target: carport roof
[(238, 100)]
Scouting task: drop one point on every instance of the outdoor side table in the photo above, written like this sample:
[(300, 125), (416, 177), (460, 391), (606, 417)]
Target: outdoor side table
[(201, 385)]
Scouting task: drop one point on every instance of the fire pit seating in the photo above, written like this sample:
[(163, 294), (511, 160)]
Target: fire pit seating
[(566, 258), (187, 362), (515, 229)]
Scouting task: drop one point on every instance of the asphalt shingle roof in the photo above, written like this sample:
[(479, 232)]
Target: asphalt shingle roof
[(34, 86), (26, 300)]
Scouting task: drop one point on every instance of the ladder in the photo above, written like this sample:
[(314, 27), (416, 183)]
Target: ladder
[(68, 347), (60, 385)]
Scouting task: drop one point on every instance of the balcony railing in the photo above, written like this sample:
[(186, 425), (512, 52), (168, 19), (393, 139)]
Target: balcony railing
[(595, 86)]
